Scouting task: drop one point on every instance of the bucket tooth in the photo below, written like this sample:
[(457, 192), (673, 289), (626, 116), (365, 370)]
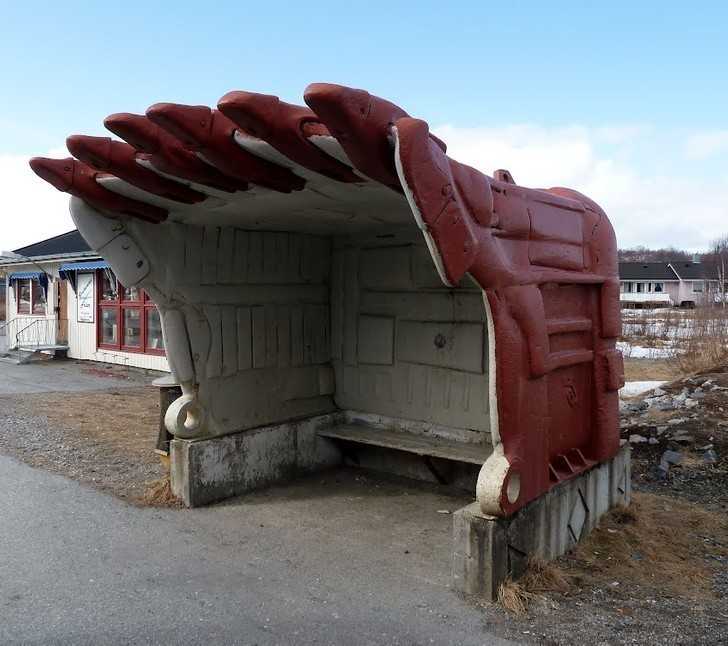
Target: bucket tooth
[(120, 159), (286, 127), (167, 154), (76, 178), (211, 134)]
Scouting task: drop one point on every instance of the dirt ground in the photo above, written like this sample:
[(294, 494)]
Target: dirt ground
[(105, 439), (654, 574), (649, 370)]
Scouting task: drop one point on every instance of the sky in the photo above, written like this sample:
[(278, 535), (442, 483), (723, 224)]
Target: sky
[(626, 102)]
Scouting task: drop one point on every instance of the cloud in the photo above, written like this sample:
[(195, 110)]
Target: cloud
[(646, 208), (32, 209), (706, 144)]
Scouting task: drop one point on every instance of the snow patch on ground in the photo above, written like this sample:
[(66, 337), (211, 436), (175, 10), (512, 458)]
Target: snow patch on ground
[(632, 388), (642, 352)]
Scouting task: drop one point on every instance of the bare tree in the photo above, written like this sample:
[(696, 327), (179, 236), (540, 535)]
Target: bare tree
[(717, 257)]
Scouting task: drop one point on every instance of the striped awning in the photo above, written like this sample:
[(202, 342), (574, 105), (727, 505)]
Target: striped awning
[(20, 275), (68, 270), (40, 276), (83, 266)]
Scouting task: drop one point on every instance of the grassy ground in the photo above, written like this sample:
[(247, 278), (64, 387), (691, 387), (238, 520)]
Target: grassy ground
[(105, 438), (650, 370)]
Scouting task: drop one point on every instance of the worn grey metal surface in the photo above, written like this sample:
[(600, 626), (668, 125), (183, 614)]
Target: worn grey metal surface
[(319, 562), (488, 549), (403, 344)]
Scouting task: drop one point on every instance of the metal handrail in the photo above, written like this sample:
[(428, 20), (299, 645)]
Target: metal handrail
[(32, 336), (49, 323), (21, 330), (38, 339)]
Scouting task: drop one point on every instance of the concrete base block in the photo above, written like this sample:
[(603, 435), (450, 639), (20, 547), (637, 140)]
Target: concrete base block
[(488, 549), (208, 470)]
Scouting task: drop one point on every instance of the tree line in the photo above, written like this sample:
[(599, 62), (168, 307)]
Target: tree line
[(717, 253)]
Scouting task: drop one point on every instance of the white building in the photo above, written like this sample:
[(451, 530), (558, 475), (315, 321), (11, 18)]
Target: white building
[(677, 283), (59, 294)]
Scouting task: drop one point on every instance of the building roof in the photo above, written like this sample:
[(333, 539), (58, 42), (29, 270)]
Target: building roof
[(662, 271), (66, 243), (646, 271), (694, 270), (65, 247)]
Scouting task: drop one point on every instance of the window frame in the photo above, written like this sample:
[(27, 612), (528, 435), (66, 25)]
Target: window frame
[(144, 304), (35, 290)]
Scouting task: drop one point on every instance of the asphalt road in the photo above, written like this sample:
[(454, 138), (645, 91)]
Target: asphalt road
[(68, 376), (332, 560)]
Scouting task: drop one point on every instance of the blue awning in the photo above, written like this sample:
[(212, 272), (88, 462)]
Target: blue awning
[(68, 270), (82, 266), (40, 276), (19, 275)]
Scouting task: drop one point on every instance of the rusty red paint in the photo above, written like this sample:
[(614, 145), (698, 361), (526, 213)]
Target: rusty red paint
[(76, 178), (120, 159), (286, 127), (547, 264), (167, 154), (361, 123), (210, 133)]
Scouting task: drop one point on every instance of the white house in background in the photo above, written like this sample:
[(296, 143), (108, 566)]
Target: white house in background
[(683, 283), (58, 292)]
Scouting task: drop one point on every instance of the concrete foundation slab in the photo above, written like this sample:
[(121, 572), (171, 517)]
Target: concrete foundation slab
[(208, 470), (488, 549)]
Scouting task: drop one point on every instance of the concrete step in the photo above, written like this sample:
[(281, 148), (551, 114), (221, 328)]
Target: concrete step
[(27, 352), (43, 347)]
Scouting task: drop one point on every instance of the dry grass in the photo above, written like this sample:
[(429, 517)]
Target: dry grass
[(545, 576), (159, 494), (104, 438), (125, 420), (707, 344), (653, 327), (514, 598), (697, 339), (658, 543), (541, 577), (650, 370)]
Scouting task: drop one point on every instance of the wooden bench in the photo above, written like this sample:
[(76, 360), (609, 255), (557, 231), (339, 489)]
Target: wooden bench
[(423, 445)]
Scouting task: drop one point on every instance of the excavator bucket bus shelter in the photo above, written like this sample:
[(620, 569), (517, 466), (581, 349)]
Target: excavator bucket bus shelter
[(333, 286)]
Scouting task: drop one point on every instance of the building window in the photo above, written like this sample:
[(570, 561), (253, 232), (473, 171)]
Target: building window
[(659, 287), (698, 286), (128, 319), (639, 287), (109, 326), (30, 297)]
